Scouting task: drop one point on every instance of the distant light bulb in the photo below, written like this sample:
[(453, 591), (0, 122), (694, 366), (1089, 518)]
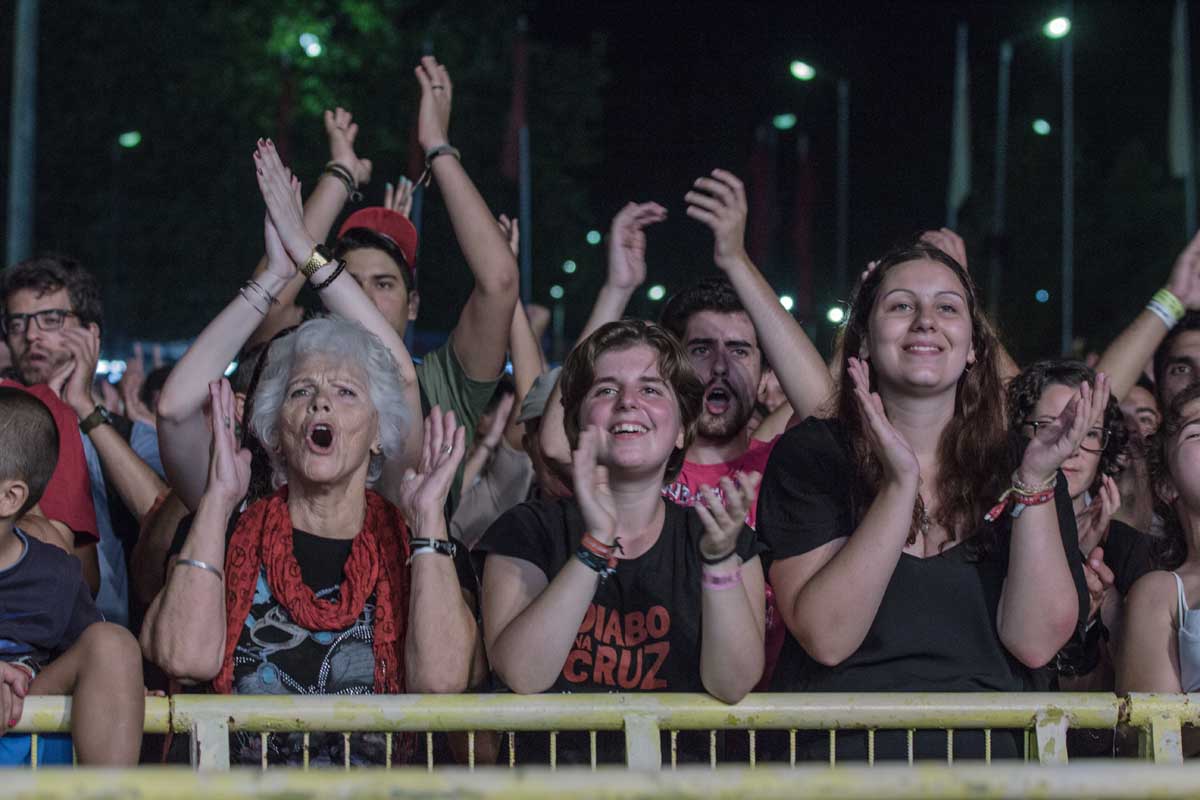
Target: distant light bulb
[(656, 292), (569, 267), (1042, 296), (802, 71), (1057, 28), (556, 292), (593, 237), (130, 139), (784, 122), (836, 315), (1041, 127), (786, 301)]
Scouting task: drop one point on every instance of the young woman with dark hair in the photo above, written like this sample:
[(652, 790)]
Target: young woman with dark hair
[(1116, 554), (887, 575)]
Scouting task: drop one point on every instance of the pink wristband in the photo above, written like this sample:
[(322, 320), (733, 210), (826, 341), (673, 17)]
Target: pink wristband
[(720, 582)]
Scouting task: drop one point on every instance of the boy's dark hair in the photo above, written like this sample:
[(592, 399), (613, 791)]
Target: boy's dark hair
[(367, 239), (710, 294), (1190, 322), (49, 273), (28, 443)]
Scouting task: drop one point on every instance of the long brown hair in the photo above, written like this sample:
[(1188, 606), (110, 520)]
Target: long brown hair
[(973, 451), (1170, 550)]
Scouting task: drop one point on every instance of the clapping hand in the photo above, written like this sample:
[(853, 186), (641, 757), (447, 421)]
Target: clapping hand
[(1053, 444), (720, 203), (433, 119), (1099, 579), (591, 485), (342, 131), (627, 244), (511, 230), (132, 381), (423, 490), (1092, 523), (72, 382), (281, 192), (229, 466), (723, 521), (949, 243), (1184, 282), (895, 454)]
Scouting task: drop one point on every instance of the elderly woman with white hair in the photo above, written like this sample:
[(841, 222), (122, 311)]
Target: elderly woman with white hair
[(323, 587)]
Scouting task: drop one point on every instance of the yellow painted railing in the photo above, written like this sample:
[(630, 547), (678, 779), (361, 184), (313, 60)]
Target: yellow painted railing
[(1046, 718)]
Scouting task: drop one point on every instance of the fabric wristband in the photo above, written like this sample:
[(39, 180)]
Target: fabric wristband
[(718, 583), (1167, 307)]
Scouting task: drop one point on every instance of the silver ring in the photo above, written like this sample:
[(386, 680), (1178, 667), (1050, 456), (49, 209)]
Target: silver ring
[(447, 448), (412, 477), (437, 86), (227, 421)]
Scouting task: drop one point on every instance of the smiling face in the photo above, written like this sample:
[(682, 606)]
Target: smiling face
[(328, 423), (636, 409), (1081, 468), (380, 278), (37, 353), (1182, 451), (723, 349), (919, 339)]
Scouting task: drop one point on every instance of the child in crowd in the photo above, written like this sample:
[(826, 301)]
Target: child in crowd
[(50, 630)]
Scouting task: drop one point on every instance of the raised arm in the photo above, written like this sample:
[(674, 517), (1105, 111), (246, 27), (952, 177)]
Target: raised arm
[(1133, 348), (184, 630), (339, 291), (480, 339), (183, 433), (529, 623), (719, 202), (626, 272), (524, 346), (829, 596), (136, 483), (320, 212), (1039, 605), (442, 639)]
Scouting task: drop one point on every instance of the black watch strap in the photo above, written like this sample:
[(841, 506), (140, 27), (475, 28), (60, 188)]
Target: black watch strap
[(99, 416)]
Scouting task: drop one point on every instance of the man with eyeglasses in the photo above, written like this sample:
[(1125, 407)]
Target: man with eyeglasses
[(51, 321)]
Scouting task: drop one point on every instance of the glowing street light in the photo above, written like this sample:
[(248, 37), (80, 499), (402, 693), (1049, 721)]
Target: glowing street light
[(1057, 28), (787, 302), (1042, 296), (802, 71), (311, 44), (593, 238), (130, 139), (656, 292), (569, 267), (784, 122), (1041, 127), (556, 291), (835, 315)]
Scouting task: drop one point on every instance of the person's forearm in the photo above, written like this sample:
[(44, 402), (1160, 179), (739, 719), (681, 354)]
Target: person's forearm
[(440, 644), (530, 652), (1124, 359), (833, 611), (135, 482), (183, 434), (483, 245), (731, 638), (1039, 605), (609, 307), (802, 373), (528, 363), (184, 631)]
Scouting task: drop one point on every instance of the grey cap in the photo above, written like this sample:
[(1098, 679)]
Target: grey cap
[(534, 404)]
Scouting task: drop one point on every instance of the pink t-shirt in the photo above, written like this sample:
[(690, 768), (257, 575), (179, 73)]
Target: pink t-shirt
[(684, 490)]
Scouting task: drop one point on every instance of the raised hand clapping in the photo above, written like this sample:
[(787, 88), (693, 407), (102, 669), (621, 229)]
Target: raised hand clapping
[(895, 454), (627, 244)]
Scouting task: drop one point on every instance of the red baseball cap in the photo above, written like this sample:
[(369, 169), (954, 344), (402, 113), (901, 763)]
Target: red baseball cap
[(390, 224)]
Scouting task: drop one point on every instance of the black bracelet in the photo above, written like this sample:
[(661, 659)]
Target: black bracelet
[(341, 265), (341, 173), (713, 560), (443, 547), (595, 563)]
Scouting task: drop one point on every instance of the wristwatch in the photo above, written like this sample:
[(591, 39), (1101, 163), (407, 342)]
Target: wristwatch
[(99, 416), (321, 255)]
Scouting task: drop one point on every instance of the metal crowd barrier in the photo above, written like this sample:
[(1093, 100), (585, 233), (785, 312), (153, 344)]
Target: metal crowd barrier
[(1046, 718)]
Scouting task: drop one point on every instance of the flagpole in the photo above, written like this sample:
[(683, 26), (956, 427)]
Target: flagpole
[(1068, 191)]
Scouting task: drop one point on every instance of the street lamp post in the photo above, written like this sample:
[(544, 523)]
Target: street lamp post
[(803, 71), (1056, 28)]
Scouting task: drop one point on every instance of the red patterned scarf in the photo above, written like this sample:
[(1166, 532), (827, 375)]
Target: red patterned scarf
[(377, 565)]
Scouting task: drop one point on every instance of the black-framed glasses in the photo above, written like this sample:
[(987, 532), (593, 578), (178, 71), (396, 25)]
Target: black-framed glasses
[(50, 319), (1094, 441)]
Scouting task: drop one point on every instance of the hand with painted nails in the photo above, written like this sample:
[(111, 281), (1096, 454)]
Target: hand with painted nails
[(719, 201), (399, 198), (14, 688), (281, 192), (723, 511)]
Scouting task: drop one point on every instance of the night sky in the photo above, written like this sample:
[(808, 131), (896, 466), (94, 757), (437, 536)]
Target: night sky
[(690, 82)]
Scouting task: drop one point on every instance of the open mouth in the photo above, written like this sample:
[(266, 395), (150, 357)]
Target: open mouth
[(627, 430), (321, 436), (717, 401)]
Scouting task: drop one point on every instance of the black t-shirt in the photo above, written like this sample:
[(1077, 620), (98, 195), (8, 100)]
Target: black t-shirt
[(641, 633), (1127, 554), (44, 604), (936, 626), (275, 655)]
